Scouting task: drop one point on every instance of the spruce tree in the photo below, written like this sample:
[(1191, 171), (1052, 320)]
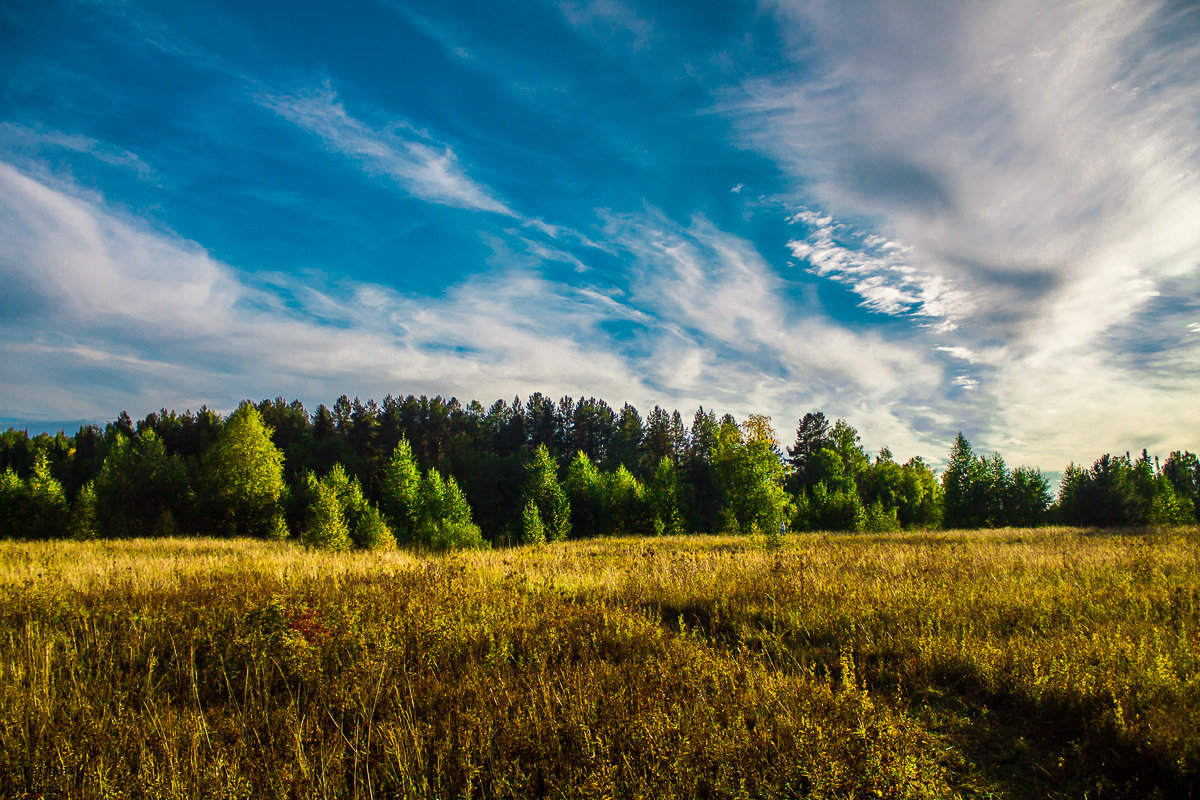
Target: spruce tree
[(326, 528), (401, 491)]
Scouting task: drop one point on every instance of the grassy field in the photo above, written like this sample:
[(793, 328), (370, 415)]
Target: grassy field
[(1010, 663)]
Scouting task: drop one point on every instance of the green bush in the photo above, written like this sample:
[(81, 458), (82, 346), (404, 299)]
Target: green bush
[(452, 535)]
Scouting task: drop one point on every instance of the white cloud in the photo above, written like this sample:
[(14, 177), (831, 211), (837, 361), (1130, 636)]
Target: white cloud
[(1036, 164), (966, 382), (104, 312), (33, 140), (422, 166), (961, 353), (877, 270), (739, 340)]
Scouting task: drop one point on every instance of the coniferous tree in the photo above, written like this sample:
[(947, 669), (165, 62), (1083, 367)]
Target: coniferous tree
[(956, 483), (326, 528), (812, 435), (401, 490), (627, 440), (701, 497), (140, 489), (1027, 495)]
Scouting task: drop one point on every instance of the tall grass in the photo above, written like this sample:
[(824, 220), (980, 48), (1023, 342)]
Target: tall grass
[(1012, 663)]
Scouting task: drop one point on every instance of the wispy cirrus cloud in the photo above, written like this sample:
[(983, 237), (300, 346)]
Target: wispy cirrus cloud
[(105, 312), (608, 20), (422, 166), (735, 338), (33, 141), (878, 270), (1040, 168)]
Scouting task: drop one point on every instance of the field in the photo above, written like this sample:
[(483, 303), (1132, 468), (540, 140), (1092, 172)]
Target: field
[(1009, 663)]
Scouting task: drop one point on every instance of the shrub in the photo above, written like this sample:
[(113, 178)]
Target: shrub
[(877, 519), (452, 535)]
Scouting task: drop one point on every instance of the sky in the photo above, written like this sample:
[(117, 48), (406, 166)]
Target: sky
[(923, 217)]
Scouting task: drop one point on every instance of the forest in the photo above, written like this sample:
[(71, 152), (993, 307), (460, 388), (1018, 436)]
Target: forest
[(433, 473)]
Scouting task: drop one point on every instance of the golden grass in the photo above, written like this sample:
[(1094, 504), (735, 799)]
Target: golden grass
[(1009, 663)]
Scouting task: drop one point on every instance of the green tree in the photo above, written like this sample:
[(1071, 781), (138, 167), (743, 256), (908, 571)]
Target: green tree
[(81, 525), (442, 499), (47, 501), (662, 495), (140, 489), (15, 511), (956, 483), (750, 474), (543, 489), (587, 494), (326, 527), (532, 530), (1182, 469), (244, 475), (365, 525), (1027, 495), (401, 491), (626, 510), (812, 435), (921, 496)]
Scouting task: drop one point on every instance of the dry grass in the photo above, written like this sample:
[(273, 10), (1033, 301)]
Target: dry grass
[(1010, 663)]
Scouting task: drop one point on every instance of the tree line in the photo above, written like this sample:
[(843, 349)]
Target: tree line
[(432, 472)]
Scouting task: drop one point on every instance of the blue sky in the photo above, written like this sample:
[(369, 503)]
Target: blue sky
[(922, 217)]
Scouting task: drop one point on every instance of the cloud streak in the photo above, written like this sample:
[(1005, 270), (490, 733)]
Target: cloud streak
[(422, 166)]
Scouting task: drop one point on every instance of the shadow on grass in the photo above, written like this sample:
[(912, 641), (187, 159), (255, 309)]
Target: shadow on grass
[(1021, 751), (1001, 746)]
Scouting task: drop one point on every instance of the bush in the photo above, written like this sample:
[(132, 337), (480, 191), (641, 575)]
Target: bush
[(877, 519), (452, 535)]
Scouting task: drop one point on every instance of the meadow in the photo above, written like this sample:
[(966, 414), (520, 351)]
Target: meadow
[(1011, 663)]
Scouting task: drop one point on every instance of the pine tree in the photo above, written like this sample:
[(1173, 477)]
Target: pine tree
[(956, 482)]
